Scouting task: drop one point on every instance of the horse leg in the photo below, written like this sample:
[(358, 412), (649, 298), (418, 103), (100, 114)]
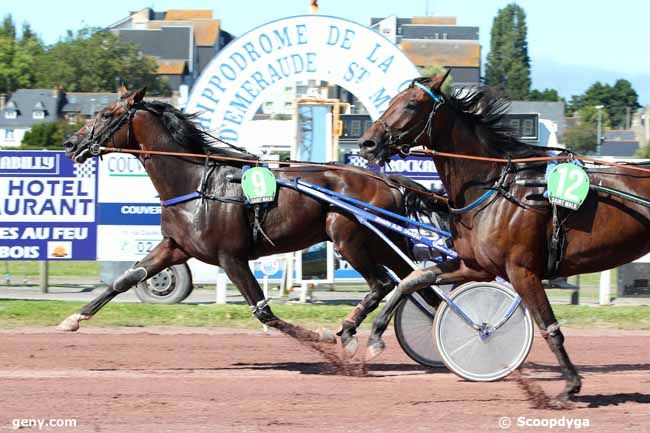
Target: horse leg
[(450, 272), (380, 284), (240, 274), (529, 286), (165, 254)]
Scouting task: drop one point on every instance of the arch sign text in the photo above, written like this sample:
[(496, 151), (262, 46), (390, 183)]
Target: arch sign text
[(307, 47)]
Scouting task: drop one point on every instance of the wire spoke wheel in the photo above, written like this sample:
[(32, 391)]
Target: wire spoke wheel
[(462, 348), (413, 324)]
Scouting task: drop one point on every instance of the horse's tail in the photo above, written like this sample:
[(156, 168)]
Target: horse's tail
[(419, 205)]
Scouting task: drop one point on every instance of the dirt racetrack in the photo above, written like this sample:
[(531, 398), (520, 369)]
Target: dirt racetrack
[(206, 380)]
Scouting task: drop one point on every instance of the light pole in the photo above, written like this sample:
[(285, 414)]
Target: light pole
[(598, 130)]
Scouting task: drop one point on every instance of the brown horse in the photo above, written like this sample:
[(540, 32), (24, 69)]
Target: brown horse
[(508, 234), (217, 228)]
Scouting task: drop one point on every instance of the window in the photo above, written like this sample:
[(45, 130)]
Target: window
[(38, 114), (528, 129), (515, 124), (355, 128), (9, 134), (10, 114)]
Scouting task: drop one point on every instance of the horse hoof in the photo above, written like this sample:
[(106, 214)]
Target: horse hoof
[(351, 346), (71, 323), (374, 349), (326, 336)]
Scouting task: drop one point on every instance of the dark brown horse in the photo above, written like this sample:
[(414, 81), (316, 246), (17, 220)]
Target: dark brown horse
[(508, 234), (216, 228)]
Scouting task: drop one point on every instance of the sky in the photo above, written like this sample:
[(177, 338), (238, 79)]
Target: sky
[(572, 43)]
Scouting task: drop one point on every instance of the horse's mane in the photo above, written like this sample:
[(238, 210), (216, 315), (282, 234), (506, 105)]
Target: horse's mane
[(184, 132), (484, 109)]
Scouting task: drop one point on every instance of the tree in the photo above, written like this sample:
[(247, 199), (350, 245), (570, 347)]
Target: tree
[(7, 48), (27, 55), (508, 63), (95, 61), (18, 56), (643, 152), (582, 138), (49, 135), (616, 100), (544, 95)]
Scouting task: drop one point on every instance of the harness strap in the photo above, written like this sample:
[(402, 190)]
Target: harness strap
[(556, 246), (182, 199), (429, 92), (475, 203)]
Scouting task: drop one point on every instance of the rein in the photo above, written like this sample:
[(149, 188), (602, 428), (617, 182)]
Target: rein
[(429, 152), (394, 138), (261, 161)]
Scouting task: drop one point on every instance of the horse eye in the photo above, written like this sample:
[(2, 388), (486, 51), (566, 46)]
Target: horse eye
[(412, 105), (106, 115)]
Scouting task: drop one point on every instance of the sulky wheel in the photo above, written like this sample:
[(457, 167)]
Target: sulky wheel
[(413, 323), (487, 354)]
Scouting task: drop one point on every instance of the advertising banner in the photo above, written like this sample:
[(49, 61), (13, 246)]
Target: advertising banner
[(128, 210), (47, 207)]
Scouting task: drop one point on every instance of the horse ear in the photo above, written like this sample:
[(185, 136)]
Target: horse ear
[(438, 80), (122, 90), (137, 96)]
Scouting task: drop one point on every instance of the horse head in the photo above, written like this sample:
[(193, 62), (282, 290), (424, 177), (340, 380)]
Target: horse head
[(409, 119), (112, 125)]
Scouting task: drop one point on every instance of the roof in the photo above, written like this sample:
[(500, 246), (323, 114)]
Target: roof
[(166, 42), (620, 135), (87, 103), (443, 52), (172, 67), (440, 21), (621, 148), (206, 32), (434, 20), (418, 31), (25, 101), (188, 14)]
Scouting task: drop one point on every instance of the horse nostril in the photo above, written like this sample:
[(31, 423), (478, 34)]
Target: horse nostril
[(369, 144)]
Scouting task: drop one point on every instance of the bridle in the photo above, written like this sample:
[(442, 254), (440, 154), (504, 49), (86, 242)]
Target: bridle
[(95, 143), (423, 125)]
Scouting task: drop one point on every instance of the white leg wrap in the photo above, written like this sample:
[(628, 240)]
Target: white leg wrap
[(71, 323)]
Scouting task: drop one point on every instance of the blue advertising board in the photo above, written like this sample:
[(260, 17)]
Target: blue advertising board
[(419, 168), (47, 207)]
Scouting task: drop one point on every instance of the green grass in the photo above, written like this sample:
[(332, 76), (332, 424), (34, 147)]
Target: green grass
[(47, 313), (56, 268)]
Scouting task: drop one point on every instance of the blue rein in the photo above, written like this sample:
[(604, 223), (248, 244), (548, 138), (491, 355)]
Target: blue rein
[(473, 204)]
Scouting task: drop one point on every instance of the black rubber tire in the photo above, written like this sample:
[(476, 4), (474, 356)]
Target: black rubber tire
[(170, 286)]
